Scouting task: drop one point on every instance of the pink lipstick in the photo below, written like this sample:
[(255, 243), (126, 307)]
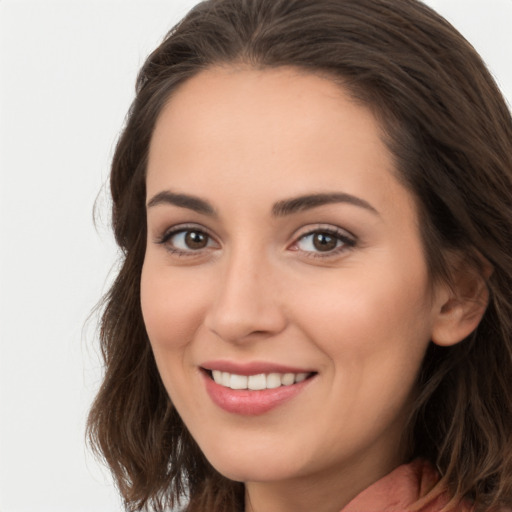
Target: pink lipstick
[(253, 388)]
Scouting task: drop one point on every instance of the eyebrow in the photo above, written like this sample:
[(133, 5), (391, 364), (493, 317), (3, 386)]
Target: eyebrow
[(183, 201), (280, 209), (301, 203)]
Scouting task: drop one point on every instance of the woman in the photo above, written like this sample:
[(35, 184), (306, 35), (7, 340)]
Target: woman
[(313, 311)]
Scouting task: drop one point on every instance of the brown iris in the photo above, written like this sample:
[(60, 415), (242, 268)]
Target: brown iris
[(196, 240), (324, 242)]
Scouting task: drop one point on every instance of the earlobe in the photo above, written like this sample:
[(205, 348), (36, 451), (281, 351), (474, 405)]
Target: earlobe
[(461, 306)]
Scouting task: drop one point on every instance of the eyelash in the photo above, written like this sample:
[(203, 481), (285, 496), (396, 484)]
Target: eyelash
[(168, 235), (347, 240)]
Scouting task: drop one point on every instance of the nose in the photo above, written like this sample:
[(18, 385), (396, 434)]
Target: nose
[(247, 303)]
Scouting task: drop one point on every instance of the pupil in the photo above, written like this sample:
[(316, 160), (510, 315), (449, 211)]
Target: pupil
[(195, 240), (324, 242)]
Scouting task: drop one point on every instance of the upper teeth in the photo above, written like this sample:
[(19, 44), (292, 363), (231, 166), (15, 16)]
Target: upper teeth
[(257, 382)]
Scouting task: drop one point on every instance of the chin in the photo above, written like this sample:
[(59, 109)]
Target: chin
[(249, 473), (256, 466)]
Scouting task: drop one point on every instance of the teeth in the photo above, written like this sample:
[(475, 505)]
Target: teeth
[(238, 381), (288, 379), (257, 382), (273, 380), (226, 379)]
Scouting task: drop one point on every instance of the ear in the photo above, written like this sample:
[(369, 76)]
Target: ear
[(460, 305)]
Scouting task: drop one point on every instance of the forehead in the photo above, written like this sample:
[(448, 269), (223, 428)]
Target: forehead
[(264, 101), (272, 131)]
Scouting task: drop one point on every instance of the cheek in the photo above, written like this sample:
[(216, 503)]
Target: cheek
[(172, 307), (379, 324), (375, 342)]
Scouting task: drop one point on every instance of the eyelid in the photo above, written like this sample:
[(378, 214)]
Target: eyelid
[(164, 238), (346, 237)]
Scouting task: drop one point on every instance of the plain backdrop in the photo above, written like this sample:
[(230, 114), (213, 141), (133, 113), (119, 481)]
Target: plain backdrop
[(67, 72)]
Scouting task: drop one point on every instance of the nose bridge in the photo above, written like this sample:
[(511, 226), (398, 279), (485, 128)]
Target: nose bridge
[(246, 299)]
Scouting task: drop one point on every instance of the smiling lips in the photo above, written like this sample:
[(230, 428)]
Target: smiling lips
[(252, 389), (257, 382)]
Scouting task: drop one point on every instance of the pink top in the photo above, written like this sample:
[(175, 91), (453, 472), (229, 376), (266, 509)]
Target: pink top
[(403, 488)]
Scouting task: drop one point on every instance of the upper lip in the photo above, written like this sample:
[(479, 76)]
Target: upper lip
[(252, 368)]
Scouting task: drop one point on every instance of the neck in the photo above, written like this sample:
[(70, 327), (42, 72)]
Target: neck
[(327, 491)]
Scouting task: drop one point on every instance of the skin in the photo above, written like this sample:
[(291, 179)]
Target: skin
[(360, 315)]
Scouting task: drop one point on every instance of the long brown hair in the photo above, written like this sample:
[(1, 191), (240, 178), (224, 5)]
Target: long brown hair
[(450, 132)]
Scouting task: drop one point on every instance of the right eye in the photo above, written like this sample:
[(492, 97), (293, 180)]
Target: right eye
[(187, 240)]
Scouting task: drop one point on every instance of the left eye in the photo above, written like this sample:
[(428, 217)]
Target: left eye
[(188, 240), (323, 242)]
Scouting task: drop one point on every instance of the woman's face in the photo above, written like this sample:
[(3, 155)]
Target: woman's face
[(283, 255)]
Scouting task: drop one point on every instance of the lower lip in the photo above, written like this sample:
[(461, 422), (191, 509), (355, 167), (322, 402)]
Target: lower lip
[(251, 403)]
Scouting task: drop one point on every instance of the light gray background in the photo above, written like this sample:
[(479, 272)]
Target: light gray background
[(67, 71)]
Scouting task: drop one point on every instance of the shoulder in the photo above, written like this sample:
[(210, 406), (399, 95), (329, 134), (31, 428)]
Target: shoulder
[(411, 487)]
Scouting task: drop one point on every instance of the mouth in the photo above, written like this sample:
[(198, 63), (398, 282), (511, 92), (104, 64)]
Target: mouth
[(253, 389), (257, 382)]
